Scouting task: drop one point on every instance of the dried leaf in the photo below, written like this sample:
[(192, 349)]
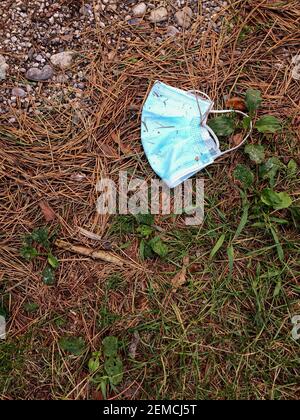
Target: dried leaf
[(133, 345), (180, 278), (237, 139), (100, 255), (47, 211), (78, 177), (124, 149), (108, 151), (236, 103), (111, 55)]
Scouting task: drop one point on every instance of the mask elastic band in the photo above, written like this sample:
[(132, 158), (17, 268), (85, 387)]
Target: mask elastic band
[(226, 111), (197, 93)]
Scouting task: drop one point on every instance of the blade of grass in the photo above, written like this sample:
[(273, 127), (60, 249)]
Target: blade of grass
[(218, 245)]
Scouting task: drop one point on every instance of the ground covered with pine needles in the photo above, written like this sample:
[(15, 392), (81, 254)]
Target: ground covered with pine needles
[(223, 334)]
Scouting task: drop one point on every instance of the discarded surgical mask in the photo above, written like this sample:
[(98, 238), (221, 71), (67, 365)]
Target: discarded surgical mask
[(176, 138)]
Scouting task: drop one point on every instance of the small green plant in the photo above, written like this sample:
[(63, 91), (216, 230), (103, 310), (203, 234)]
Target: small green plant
[(270, 169), (277, 201), (268, 124), (109, 371), (225, 125), (244, 176), (39, 244), (106, 318), (292, 169), (151, 245), (256, 152), (72, 345), (253, 100), (222, 126)]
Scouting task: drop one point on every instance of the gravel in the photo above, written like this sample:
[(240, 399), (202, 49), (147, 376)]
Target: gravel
[(159, 15), (139, 10), (183, 17), (3, 67), (63, 60), (41, 41), (38, 75)]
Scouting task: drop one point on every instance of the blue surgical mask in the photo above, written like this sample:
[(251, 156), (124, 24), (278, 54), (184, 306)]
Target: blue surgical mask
[(176, 138)]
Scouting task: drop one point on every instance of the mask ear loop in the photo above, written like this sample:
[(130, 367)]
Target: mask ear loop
[(226, 111), (205, 96)]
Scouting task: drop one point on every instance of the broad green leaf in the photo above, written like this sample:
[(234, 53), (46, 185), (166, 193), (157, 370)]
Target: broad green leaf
[(145, 250), (145, 219), (110, 346), (292, 168), (277, 289), (244, 175), (159, 247), (53, 261), (269, 169), (41, 236), (268, 124), (222, 126), (73, 345), (28, 252), (93, 364), (114, 369), (103, 385), (243, 221), (253, 99), (246, 123), (145, 230), (256, 152), (48, 276), (217, 246), (276, 200)]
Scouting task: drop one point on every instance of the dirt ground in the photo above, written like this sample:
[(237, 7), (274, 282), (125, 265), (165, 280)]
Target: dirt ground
[(225, 330)]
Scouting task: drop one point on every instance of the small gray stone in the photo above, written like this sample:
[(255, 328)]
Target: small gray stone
[(184, 17), (3, 67), (39, 58), (139, 10), (86, 9), (172, 31), (38, 75), (18, 92), (134, 21), (61, 78), (296, 72), (63, 59), (296, 60), (158, 15)]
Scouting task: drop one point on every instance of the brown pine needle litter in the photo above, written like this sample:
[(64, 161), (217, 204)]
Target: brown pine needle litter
[(219, 336)]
